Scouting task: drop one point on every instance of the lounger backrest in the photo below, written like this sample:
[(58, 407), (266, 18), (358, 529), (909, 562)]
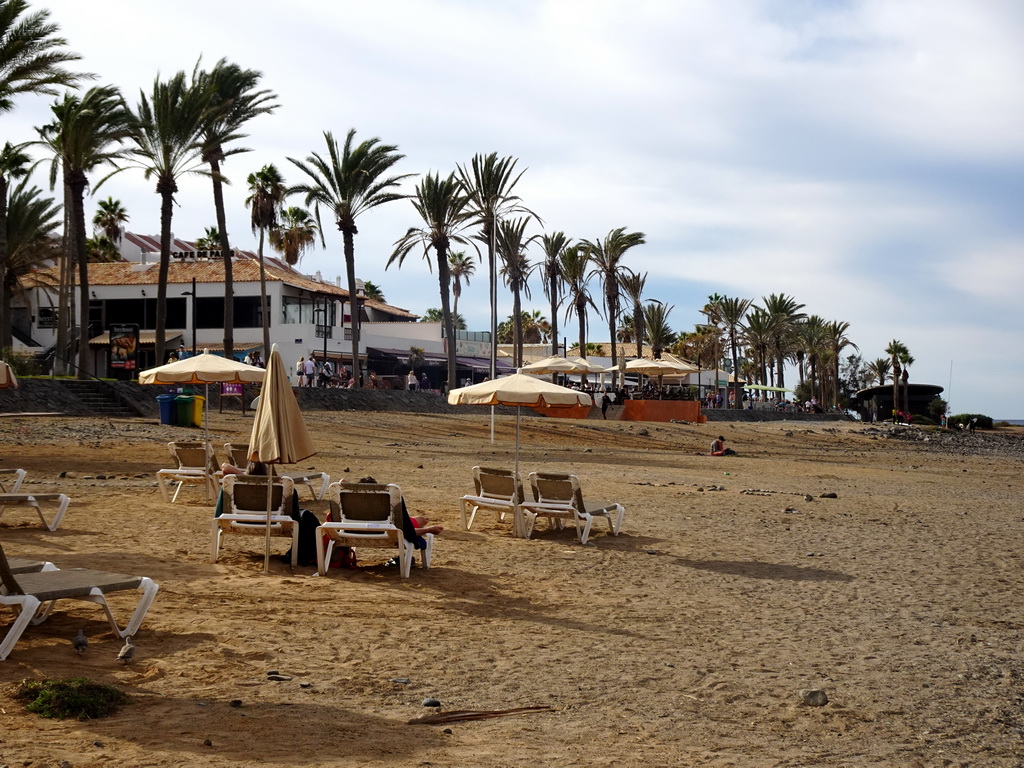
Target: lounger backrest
[(238, 454), (497, 484), (558, 488), (247, 494), (7, 576), (367, 502), (193, 455)]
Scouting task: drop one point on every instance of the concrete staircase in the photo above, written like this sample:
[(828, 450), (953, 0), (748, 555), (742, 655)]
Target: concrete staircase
[(97, 396)]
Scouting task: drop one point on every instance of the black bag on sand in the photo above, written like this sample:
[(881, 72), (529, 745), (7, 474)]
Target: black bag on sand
[(308, 523)]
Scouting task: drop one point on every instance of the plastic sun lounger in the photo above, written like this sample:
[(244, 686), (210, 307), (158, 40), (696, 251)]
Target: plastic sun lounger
[(196, 464), (317, 482), (245, 511), (496, 489), (19, 476), (34, 594), (559, 498), (368, 515), (35, 501)]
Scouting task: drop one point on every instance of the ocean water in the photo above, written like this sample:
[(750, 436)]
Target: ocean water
[(1015, 422)]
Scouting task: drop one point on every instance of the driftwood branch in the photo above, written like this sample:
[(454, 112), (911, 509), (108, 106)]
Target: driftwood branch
[(473, 714)]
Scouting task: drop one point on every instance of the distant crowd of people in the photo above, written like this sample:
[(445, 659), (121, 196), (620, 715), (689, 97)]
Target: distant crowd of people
[(322, 372)]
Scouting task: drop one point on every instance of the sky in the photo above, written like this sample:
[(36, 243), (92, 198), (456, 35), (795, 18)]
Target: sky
[(865, 157)]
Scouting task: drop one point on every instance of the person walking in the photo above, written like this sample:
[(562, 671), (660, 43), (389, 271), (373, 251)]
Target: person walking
[(300, 370), (310, 370)]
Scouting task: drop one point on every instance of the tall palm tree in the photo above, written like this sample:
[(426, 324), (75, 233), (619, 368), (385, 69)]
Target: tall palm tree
[(812, 338), (13, 165), (86, 133), (435, 315), (606, 256), (168, 138), (783, 315), (553, 244), (32, 55), (210, 241), (443, 206), (267, 191), (575, 269), (879, 369), (488, 181), (838, 341), (234, 99), (907, 361), (372, 291), (515, 270), (659, 334), (633, 284), (898, 353), (461, 268), (347, 182), (29, 231), (758, 331), (32, 59), (109, 218), (731, 311), (295, 234)]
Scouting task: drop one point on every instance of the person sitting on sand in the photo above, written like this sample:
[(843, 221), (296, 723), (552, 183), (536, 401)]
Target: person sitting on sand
[(718, 447)]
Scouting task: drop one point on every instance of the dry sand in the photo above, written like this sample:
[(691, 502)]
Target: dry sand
[(684, 641)]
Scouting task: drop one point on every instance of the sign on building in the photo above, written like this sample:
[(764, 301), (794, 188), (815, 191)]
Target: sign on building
[(124, 350)]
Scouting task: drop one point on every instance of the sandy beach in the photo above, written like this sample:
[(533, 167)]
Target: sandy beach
[(685, 641)]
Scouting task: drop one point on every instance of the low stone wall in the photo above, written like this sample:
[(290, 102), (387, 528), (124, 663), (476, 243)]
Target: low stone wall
[(725, 414)]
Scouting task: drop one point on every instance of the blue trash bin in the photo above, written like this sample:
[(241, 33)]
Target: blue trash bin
[(166, 409)]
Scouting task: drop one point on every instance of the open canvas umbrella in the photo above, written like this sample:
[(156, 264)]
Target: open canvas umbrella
[(203, 369), (519, 389), (7, 378), (279, 434), (553, 364)]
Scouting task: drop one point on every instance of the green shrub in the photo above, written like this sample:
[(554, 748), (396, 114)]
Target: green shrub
[(922, 421), (937, 407), (76, 697), (983, 421), (22, 363)]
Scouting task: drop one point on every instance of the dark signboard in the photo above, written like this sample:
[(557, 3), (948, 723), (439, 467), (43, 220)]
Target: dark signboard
[(124, 349)]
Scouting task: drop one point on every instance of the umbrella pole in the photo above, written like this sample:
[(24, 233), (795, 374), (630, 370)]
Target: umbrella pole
[(206, 413), (516, 519), (492, 425), (270, 495)]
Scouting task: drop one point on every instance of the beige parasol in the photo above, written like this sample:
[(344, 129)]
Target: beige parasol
[(553, 364), (519, 389), (7, 378), (279, 434), (203, 369)]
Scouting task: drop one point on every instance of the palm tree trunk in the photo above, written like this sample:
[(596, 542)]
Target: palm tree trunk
[(492, 287), (166, 212), (6, 339), (353, 298), (611, 305), (77, 185), (638, 329), (264, 302), (448, 317), (737, 404), (225, 252), (553, 292), (517, 326)]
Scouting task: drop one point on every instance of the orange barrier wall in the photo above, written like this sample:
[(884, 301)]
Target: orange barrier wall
[(662, 410), (573, 412)]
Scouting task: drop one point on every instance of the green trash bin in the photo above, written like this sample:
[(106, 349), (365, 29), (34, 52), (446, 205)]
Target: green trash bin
[(197, 410), (183, 410)]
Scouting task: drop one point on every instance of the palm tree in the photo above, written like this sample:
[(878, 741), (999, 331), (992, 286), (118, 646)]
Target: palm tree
[(295, 234), (266, 196), (758, 331), (535, 327), (461, 268), (32, 59), (512, 244), (372, 291), (907, 361), (632, 284), (168, 138), (349, 181), (812, 338), (13, 165), (731, 311), (488, 182), (210, 241), (898, 353), (435, 315), (86, 133), (606, 256), (783, 315), (553, 244), (659, 334), (575, 268), (31, 55), (110, 217), (234, 100), (29, 231), (443, 206), (838, 341), (101, 250), (879, 369)]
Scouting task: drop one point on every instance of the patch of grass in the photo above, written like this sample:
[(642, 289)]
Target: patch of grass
[(76, 697)]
